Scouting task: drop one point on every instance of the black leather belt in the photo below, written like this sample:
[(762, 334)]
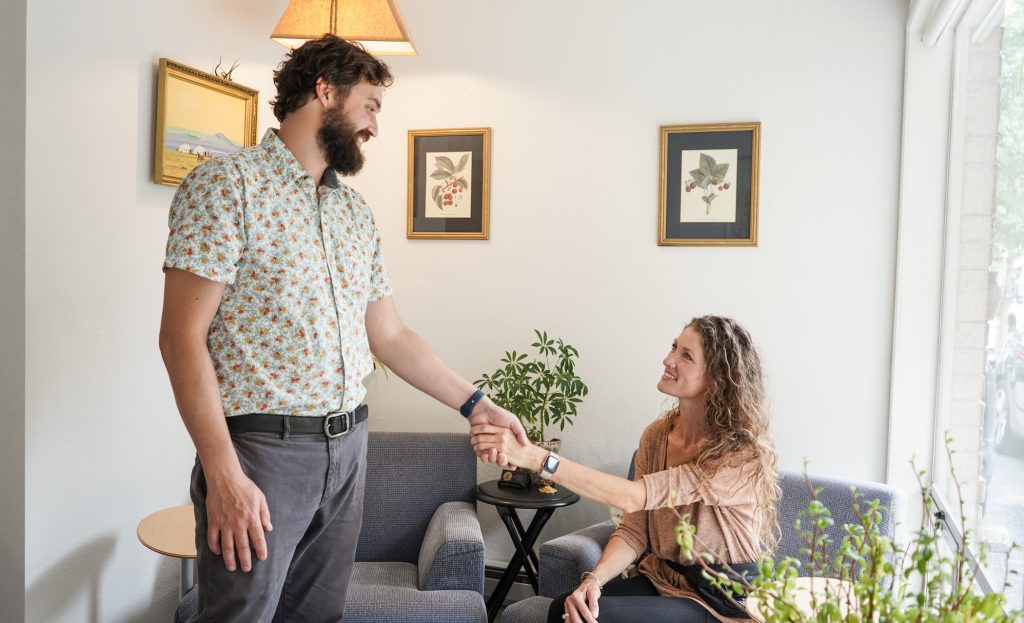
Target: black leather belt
[(334, 424)]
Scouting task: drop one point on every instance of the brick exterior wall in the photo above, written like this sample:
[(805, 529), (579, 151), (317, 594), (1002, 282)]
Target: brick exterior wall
[(977, 289)]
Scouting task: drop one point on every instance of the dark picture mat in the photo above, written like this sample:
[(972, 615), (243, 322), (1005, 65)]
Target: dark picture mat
[(422, 145), (741, 140)]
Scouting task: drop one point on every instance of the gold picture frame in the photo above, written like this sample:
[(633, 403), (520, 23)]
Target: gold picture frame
[(708, 184), (198, 116), (449, 186)]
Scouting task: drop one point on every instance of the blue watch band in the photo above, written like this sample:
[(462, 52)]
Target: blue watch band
[(467, 408)]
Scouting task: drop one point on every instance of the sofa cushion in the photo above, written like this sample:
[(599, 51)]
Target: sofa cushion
[(386, 592), (530, 610)]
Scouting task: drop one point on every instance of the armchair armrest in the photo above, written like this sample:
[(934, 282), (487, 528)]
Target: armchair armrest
[(563, 560), (452, 553)]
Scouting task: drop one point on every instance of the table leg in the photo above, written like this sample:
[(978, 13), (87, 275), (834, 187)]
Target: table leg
[(533, 554), (525, 554), (186, 576), (521, 558)]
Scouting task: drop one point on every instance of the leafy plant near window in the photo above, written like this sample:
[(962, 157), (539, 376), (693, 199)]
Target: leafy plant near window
[(919, 583), (543, 391)]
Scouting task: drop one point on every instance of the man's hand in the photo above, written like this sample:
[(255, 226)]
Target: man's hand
[(487, 437), (486, 412), (236, 516)]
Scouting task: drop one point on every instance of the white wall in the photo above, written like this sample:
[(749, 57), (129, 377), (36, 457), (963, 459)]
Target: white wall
[(105, 446), (12, 311), (575, 100), (575, 92)]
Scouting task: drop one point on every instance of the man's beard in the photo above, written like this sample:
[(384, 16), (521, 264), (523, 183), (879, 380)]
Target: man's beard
[(338, 142)]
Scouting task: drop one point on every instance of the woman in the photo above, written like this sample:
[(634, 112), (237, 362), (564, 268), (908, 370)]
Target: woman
[(711, 457)]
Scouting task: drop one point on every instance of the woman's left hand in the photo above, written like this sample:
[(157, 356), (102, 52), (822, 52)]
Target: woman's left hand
[(489, 437)]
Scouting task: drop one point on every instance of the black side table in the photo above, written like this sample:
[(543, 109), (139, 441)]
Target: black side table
[(506, 501)]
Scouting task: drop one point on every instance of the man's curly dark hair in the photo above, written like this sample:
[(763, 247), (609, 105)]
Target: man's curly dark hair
[(341, 63)]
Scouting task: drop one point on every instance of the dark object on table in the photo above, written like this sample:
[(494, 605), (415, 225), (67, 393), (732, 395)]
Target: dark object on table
[(514, 479)]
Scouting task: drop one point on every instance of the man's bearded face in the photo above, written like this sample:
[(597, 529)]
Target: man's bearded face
[(340, 143)]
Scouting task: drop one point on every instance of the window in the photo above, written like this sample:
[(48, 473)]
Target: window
[(984, 398)]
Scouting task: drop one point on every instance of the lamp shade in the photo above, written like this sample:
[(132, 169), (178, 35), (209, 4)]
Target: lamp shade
[(376, 24)]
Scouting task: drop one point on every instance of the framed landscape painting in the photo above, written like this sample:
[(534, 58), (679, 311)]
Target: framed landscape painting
[(198, 116), (449, 184), (709, 184)]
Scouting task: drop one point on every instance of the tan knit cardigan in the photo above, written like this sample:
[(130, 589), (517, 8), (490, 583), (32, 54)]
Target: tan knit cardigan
[(722, 508)]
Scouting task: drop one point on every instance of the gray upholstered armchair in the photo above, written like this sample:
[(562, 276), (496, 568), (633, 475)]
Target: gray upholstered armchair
[(421, 553), (564, 559)]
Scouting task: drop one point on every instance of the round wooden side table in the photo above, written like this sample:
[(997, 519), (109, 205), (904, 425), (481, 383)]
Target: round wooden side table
[(172, 532)]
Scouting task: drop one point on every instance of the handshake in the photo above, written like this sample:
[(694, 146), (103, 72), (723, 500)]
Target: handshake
[(498, 437)]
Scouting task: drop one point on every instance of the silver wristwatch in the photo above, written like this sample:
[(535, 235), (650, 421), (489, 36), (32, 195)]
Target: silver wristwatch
[(550, 466)]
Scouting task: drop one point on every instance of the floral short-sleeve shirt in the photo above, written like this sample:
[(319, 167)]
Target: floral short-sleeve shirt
[(300, 265)]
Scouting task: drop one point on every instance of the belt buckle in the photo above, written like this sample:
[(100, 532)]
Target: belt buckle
[(346, 419)]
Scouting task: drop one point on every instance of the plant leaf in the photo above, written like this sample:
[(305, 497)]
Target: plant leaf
[(462, 162), (464, 183), (720, 170), (698, 175), (440, 175), (445, 163), (707, 164)]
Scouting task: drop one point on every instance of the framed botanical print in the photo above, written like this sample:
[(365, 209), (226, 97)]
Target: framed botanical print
[(709, 184), (449, 184), (198, 116)]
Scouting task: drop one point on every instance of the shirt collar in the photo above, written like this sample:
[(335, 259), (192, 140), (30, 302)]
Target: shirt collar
[(279, 153), (331, 179)]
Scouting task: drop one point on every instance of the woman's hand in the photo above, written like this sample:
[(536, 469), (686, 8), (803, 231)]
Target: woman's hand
[(581, 604), (487, 437)]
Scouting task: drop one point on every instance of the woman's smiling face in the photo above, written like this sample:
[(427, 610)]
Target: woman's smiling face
[(683, 376)]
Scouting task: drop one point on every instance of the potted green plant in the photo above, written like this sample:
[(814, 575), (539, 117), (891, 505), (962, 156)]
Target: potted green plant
[(870, 578), (543, 391)]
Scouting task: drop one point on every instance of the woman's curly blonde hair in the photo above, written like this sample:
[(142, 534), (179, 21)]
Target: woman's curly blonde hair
[(738, 420)]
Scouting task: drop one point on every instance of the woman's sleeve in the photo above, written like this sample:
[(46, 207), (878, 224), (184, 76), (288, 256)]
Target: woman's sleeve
[(633, 529), (729, 486)]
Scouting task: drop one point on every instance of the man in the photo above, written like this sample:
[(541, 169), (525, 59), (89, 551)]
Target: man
[(275, 295)]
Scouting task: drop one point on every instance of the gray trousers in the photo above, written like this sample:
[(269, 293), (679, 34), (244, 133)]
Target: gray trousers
[(314, 489)]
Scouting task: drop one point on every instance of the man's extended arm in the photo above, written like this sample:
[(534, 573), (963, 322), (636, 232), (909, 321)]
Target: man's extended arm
[(237, 512), (411, 358)]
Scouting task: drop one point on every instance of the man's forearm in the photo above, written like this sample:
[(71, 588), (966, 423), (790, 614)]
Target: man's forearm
[(411, 358)]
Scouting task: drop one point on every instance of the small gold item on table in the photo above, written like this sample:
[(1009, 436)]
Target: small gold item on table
[(546, 488)]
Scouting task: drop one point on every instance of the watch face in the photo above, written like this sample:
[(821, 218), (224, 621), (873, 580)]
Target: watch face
[(551, 463)]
